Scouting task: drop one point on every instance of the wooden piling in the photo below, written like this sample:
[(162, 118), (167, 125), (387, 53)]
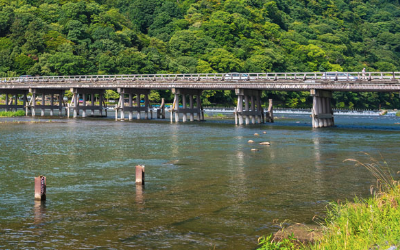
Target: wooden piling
[(40, 188), (139, 175)]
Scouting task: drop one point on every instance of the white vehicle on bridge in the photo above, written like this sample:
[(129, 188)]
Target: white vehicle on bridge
[(236, 76), (338, 76)]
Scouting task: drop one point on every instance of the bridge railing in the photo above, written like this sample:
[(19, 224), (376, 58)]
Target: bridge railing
[(305, 77)]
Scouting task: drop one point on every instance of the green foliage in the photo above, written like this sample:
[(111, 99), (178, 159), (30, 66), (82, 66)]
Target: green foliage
[(60, 37), (266, 243), (12, 113), (365, 224), (111, 94)]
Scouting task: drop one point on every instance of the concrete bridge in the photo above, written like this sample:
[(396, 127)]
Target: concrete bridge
[(188, 88)]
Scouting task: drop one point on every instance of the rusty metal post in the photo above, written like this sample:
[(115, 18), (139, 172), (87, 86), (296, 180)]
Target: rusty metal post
[(40, 188), (139, 175)]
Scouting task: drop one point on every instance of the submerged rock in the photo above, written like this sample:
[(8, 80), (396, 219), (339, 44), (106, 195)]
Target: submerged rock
[(254, 149), (265, 143), (173, 162), (250, 141), (256, 134)]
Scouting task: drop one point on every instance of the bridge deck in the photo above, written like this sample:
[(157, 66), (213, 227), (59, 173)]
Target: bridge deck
[(343, 81)]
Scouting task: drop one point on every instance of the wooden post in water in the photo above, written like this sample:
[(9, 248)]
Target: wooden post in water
[(40, 188), (139, 175)]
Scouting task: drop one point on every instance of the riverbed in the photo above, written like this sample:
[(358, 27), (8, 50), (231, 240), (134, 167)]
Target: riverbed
[(205, 188)]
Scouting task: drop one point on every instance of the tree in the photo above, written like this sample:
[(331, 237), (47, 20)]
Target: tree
[(223, 61), (111, 94)]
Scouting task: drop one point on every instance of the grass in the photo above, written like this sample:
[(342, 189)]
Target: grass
[(221, 116), (286, 244), (12, 113), (372, 223)]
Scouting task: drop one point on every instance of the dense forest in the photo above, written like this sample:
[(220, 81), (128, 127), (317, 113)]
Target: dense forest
[(59, 37)]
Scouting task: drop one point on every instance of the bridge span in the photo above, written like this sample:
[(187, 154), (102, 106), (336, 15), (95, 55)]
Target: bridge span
[(187, 89)]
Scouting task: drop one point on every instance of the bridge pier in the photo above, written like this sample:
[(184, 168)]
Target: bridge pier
[(43, 92), (12, 103), (131, 108), (322, 113), (85, 93), (185, 109), (252, 106)]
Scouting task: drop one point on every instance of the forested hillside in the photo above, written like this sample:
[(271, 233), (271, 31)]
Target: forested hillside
[(58, 37)]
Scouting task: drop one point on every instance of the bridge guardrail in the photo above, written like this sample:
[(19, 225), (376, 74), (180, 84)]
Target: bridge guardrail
[(305, 77)]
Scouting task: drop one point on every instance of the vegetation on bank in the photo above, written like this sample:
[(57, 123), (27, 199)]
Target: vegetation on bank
[(12, 113), (372, 223), (58, 37)]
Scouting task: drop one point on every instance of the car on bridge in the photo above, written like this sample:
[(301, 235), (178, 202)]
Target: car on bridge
[(338, 76), (236, 76), (23, 78)]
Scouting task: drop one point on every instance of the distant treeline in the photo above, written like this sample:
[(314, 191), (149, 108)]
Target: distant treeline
[(59, 37)]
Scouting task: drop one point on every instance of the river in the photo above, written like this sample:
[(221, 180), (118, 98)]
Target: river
[(205, 188)]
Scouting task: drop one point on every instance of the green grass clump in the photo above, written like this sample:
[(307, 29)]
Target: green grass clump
[(12, 114), (364, 224), (267, 243), (398, 113), (373, 223)]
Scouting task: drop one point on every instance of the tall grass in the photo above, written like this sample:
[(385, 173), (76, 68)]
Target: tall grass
[(372, 223), (12, 114)]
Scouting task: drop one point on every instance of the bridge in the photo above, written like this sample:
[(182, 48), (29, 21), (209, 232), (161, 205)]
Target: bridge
[(247, 86)]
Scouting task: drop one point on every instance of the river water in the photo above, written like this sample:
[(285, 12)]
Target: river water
[(205, 188)]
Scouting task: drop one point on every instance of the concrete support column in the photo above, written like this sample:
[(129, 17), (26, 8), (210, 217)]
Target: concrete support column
[(84, 104), (198, 106), (253, 121), (16, 101), (121, 105), (259, 109), (191, 107), (7, 101), (101, 99), (60, 102), (76, 103), (92, 102), (52, 104), (246, 108), (176, 100), (187, 107), (240, 109), (251, 111), (322, 114), (43, 103), (138, 105), (24, 103), (146, 105), (130, 118), (33, 104), (184, 115)]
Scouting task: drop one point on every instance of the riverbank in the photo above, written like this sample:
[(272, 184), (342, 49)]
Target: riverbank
[(371, 223)]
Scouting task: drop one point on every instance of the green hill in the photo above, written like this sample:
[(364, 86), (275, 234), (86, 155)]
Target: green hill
[(58, 37)]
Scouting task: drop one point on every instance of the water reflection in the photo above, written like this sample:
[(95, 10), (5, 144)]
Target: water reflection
[(139, 194), (40, 210)]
